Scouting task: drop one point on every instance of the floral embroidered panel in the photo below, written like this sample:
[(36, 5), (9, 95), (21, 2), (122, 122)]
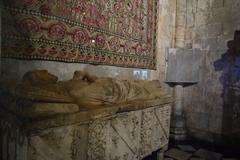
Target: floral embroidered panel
[(109, 32)]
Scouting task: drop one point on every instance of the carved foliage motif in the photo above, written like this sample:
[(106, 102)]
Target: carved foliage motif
[(79, 142), (129, 136), (97, 139), (125, 136), (146, 133)]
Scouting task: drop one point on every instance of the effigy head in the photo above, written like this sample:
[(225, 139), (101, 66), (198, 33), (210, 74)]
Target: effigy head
[(79, 75), (83, 76), (39, 77)]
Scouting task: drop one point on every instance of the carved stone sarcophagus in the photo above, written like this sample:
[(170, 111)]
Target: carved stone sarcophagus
[(46, 121)]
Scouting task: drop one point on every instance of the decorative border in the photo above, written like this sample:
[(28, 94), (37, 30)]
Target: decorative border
[(59, 39)]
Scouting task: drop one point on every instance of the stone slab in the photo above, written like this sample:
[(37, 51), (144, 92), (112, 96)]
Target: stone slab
[(196, 158), (187, 148), (178, 154), (209, 155), (183, 65), (48, 109), (86, 116)]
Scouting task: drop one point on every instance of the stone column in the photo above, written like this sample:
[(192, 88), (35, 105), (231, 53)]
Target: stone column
[(178, 129), (181, 67), (181, 20), (182, 70)]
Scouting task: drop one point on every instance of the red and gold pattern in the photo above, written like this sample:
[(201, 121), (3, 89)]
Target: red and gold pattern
[(111, 32)]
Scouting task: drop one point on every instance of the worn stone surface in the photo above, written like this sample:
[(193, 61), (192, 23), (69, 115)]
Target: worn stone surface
[(120, 136), (183, 65), (209, 155), (203, 153), (178, 154), (48, 109), (197, 159), (187, 148), (14, 69), (215, 22)]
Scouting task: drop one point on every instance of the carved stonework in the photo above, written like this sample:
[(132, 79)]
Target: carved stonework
[(86, 91), (84, 118), (146, 133), (125, 136), (79, 142), (97, 139), (154, 129), (13, 142), (52, 144), (163, 115)]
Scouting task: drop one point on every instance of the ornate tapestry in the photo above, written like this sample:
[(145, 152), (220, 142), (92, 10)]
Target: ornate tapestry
[(110, 32)]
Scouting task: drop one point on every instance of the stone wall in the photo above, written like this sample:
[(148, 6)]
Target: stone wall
[(214, 24), (165, 34), (14, 69)]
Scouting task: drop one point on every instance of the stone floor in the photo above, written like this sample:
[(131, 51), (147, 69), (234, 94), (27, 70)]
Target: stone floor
[(188, 152), (198, 151)]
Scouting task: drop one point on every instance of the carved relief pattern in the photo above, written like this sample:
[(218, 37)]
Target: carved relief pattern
[(125, 136), (54, 144), (76, 144), (163, 116), (119, 148), (79, 142), (154, 129), (146, 133), (13, 142), (97, 140)]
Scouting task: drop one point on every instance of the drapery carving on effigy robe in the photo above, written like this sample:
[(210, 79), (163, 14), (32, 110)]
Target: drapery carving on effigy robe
[(84, 89)]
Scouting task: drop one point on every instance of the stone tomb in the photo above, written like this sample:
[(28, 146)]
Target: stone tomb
[(37, 128)]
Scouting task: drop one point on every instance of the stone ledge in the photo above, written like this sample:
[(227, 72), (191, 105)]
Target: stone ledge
[(42, 116)]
